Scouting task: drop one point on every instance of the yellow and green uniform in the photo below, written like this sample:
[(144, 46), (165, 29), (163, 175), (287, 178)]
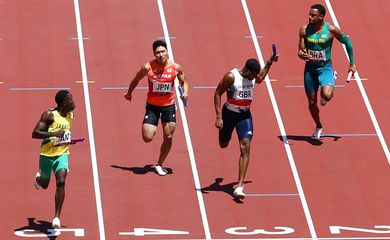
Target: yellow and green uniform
[(54, 151), (318, 70), (318, 44), (48, 147)]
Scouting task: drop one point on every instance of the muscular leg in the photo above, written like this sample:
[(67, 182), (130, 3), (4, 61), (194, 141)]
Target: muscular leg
[(327, 93), (148, 132), (168, 130), (244, 160), (43, 182), (313, 108), (60, 191), (223, 144)]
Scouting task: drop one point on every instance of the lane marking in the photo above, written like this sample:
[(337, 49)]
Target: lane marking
[(250, 37), (287, 238), (87, 100), (122, 88), (204, 87), (186, 131), (170, 37), (302, 86), (361, 79), (77, 38), (38, 89), (271, 194), (281, 126), (362, 91), (349, 135), (89, 81)]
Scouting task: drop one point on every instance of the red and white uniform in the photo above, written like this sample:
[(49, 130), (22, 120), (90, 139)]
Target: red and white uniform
[(240, 94), (161, 84)]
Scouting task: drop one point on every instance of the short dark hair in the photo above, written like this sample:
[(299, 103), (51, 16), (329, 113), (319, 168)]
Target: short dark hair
[(252, 65), (320, 8), (61, 96), (159, 43)]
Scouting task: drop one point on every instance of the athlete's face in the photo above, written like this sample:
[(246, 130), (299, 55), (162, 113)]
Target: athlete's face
[(69, 104), (315, 16), (161, 54)]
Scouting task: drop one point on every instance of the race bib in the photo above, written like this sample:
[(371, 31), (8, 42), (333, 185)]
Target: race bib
[(66, 139), (159, 87), (317, 56), (245, 95)]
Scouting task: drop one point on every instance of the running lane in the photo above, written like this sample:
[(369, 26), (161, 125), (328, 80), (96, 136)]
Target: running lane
[(210, 38), (133, 196), (38, 58), (345, 174)]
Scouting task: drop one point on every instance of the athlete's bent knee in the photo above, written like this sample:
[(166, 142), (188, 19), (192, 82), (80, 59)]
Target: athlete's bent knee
[(223, 144)]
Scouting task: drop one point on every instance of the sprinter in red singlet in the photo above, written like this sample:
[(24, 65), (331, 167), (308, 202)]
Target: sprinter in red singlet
[(160, 102)]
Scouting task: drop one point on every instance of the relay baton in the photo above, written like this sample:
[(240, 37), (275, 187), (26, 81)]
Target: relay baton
[(274, 52), (76, 140), (350, 73), (181, 91)]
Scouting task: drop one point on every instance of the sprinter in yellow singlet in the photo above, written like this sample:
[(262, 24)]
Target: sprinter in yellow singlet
[(54, 128)]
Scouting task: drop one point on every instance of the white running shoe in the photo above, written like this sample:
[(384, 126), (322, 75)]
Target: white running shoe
[(160, 171), (239, 192), (36, 184), (317, 134), (56, 223)]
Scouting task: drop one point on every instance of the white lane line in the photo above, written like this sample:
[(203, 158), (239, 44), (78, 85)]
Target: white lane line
[(37, 89), (83, 65), (186, 130), (363, 91), (281, 126)]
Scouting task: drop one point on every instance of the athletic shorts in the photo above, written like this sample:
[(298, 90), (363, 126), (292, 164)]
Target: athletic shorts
[(241, 121), (316, 75), (48, 164), (154, 113)]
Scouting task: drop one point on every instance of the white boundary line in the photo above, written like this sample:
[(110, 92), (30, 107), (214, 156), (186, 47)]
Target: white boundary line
[(99, 208), (186, 130), (363, 91), (281, 126)]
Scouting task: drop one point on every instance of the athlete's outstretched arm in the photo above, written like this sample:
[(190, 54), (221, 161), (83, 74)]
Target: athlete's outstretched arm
[(138, 76), (182, 80), (263, 72), (339, 35), (224, 84)]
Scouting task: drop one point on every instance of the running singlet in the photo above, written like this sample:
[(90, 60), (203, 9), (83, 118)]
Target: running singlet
[(54, 146), (319, 45), (161, 84), (240, 94)]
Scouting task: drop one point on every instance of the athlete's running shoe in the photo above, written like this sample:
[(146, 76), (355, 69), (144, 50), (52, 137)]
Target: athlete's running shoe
[(239, 192), (56, 223), (36, 184), (317, 134), (160, 171), (323, 102)]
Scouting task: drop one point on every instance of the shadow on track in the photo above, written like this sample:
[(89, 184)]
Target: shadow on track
[(141, 170), (40, 227), (226, 188), (308, 139)]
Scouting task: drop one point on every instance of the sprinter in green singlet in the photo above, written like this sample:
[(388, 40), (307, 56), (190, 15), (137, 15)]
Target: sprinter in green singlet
[(54, 129), (315, 46)]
